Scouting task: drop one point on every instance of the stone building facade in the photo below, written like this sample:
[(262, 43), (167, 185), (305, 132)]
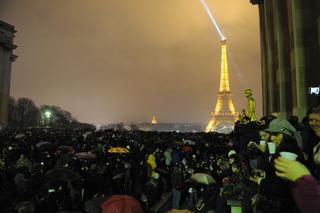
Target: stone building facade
[(290, 54), (7, 33)]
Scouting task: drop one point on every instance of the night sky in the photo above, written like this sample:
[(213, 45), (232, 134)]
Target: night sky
[(126, 60)]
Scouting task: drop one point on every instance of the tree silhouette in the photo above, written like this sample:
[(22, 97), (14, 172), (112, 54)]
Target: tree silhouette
[(23, 113)]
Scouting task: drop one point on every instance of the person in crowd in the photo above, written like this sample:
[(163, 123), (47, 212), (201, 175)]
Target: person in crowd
[(311, 147), (177, 185), (275, 189), (257, 150), (305, 189)]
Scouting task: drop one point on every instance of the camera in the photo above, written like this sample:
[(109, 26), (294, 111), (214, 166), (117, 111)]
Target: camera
[(314, 90)]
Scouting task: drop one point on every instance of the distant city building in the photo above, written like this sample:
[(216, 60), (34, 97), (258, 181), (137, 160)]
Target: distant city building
[(160, 127), (290, 53), (224, 115), (7, 32)]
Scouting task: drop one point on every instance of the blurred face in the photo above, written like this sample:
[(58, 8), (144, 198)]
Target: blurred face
[(234, 169), (264, 135), (231, 160), (276, 138), (314, 122)]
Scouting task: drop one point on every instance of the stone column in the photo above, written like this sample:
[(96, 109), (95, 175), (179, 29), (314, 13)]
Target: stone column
[(283, 62), (299, 58), (264, 82), (270, 58), (6, 57)]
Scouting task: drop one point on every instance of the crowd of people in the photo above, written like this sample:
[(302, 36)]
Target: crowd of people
[(56, 170)]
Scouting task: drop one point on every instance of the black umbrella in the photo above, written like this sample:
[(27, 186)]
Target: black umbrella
[(62, 174), (66, 148), (44, 145)]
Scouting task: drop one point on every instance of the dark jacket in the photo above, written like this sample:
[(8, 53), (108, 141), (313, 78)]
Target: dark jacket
[(277, 190)]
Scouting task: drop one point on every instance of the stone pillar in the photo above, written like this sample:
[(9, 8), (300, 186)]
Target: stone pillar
[(270, 58), (318, 23), (299, 58), (283, 59), (306, 52), (264, 69), (6, 57)]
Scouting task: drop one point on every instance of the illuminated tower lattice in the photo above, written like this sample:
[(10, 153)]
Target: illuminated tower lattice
[(154, 120), (224, 115)]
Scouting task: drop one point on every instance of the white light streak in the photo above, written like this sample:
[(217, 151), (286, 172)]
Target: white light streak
[(206, 7)]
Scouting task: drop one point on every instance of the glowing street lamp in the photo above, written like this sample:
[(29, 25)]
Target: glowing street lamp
[(47, 114)]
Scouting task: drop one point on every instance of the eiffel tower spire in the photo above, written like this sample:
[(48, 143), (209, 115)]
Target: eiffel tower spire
[(224, 115)]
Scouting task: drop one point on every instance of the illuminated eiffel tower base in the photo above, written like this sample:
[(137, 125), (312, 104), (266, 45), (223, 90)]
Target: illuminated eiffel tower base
[(224, 115)]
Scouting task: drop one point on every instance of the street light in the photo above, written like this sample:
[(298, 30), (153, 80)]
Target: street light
[(47, 115)]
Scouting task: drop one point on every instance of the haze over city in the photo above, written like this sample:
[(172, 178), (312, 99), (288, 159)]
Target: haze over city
[(124, 61)]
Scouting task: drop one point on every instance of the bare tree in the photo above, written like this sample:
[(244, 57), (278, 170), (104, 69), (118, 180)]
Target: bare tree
[(23, 113)]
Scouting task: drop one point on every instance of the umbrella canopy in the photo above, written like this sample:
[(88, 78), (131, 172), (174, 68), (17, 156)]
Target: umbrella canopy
[(190, 142), (66, 148), (203, 178), (85, 155), (118, 150), (121, 204), (21, 135), (62, 174), (44, 145)]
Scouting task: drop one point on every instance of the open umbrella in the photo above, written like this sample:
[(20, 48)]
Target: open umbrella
[(21, 135), (203, 178), (118, 150), (63, 174), (44, 145), (121, 204), (85, 155), (190, 142), (66, 148)]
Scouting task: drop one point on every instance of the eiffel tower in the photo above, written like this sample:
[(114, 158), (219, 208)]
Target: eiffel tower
[(224, 115)]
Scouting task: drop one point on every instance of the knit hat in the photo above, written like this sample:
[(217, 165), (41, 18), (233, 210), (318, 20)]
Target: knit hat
[(279, 125)]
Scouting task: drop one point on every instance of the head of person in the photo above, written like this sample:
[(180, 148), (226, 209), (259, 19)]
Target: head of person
[(314, 120), (280, 130), (265, 120), (264, 135), (232, 155)]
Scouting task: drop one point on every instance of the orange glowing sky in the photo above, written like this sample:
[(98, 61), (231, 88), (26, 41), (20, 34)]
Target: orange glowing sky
[(126, 60)]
